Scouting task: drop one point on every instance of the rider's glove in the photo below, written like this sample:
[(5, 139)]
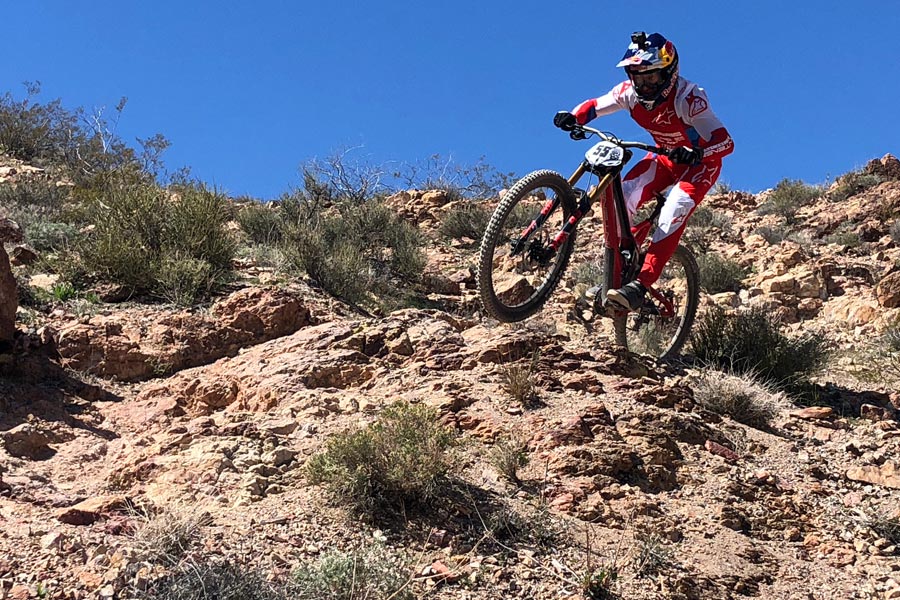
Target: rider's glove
[(565, 120), (686, 156)]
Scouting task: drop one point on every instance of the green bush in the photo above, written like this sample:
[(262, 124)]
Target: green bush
[(706, 217), (853, 183), (465, 220), (84, 144), (787, 197), (719, 274), (346, 576), (400, 461), (48, 236), (751, 341), (33, 202), (152, 240), (361, 249), (262, 223)]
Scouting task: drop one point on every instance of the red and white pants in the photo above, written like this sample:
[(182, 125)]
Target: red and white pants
[(690, 184)]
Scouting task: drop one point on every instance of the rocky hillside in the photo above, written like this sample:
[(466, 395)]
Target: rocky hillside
[(115, 418)]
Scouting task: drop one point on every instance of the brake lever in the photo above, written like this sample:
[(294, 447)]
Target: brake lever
[(577, 134)]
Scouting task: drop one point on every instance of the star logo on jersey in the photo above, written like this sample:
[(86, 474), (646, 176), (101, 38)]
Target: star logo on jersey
[(664, 118), (706, 177), (696, 104)]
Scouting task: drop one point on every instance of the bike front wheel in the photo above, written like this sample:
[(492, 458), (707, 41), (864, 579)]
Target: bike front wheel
[(646, 331), (518, 266)]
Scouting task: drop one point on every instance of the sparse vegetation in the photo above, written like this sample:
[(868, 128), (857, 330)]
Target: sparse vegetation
[(465, 220), (719, 274), (400, 461), (741, 396), (706, 217), (851, 184), (508, 456), (652, 555), (752, 341), (164, 537), (518, 381), (211, 579), (886, 524), (788, 197), (370, 575), (480, 180), (178, 248)]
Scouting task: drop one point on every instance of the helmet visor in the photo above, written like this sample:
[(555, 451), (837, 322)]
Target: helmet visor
[(647, 83)]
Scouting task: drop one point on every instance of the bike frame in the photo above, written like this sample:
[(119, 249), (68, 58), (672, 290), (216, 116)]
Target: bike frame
[(619, 235)]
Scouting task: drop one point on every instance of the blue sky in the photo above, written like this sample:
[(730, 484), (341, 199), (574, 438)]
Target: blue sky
[(247, 92)]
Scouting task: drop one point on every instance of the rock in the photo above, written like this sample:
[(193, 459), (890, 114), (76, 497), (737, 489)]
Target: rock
[(10, 232), (23, 256), (887, 475), (887, 292), (91, 510), (726, 453), (28, 441), (9, 298), (814, 412)]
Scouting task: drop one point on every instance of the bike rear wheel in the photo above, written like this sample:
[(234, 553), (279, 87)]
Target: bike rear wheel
[(646, 331), (517, 274)]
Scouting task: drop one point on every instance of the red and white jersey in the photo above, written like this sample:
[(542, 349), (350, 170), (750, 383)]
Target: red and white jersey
[(682, 119)]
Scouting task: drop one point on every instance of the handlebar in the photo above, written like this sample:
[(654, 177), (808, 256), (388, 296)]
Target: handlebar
[(579, 132)]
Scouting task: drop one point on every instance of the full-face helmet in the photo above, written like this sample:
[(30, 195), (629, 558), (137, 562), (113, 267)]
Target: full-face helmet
[(651, 63)]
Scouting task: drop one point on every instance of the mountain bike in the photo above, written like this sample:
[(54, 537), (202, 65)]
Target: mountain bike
[(530, 239)]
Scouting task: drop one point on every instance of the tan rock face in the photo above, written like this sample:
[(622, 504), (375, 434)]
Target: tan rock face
[(142, 344)]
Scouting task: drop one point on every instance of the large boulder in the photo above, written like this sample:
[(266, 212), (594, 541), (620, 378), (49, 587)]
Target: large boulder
[(9, 296)]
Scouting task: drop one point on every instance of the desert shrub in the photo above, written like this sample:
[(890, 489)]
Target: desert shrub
[(465, 220), (83, 143), (129, 221), (706, 217), (853, 183), (183, 280), (741, 396), (773, 235), (370, 575), (752, 341), (885, 523), (719, 274), (362, 249), (400, 461), (508, 456), (652, 554), (262, 223), (519, 380), (787, 197), (33, 203), (844, 237), (479, 180), (48, 236), (212, 580), (156, 241)]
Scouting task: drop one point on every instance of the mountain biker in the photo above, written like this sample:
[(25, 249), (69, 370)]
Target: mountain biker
[(676, 113)]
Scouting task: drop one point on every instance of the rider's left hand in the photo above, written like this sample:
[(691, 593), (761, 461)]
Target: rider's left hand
[(686, 156)]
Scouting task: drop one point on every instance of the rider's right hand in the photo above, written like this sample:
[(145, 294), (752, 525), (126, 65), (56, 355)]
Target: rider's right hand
[(565, 120)]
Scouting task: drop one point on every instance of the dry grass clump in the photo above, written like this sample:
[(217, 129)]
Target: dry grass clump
[(400, 461), (370, 575), (743, 397), (208, 579), (165, 537), (508, 456)]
